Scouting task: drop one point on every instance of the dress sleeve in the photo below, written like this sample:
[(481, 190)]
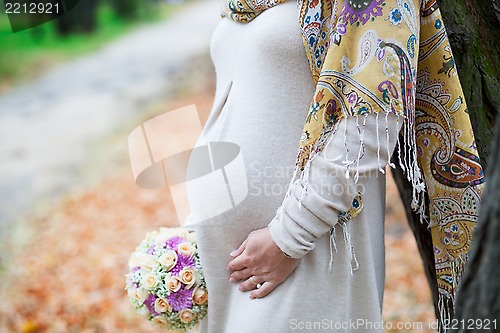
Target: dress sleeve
[(359, 147)]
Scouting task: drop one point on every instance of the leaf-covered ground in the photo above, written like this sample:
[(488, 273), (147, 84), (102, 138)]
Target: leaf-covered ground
[(64, 273)]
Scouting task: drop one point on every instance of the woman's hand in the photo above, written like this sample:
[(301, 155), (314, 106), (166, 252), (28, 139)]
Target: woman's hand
[(260, 265)]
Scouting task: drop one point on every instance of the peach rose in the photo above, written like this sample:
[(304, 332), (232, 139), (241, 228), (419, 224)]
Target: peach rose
[(161, 322), (188, 276), (186, 249), (169, 259), (200, 296), (140, 295), (187, 316), (149, 281), (173, 283), (162, 305)]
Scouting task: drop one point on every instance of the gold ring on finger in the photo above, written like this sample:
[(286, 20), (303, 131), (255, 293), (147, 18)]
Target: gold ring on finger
[(251, 279)]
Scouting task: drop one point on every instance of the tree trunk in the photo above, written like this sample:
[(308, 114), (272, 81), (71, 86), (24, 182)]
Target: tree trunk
[(472, 26), (478, 304)]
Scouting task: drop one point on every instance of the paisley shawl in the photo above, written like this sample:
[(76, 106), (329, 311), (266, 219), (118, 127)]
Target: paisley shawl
[(376, 56)]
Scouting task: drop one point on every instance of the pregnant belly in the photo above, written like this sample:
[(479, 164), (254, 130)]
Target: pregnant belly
[(245, 186)]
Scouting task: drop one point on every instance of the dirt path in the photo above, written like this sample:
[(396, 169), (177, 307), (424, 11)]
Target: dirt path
[(49, 128)]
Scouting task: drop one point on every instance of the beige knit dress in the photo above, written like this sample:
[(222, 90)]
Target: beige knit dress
[(260, 65)]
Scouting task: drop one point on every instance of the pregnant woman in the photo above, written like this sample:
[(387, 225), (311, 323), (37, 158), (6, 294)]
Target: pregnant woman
[(305, 249)]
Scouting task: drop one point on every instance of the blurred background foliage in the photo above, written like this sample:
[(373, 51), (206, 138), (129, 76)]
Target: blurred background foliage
[(88, 26)]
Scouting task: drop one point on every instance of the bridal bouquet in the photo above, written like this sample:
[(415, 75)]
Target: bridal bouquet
[(165, 282)]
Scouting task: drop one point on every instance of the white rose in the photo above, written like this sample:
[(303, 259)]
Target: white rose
[(165, 232), (191, 236), (200, 296), (163, 235), (149, 281), (186, 249), (187, 316), (162, 305), (169, 259), (188, 276), (172, 282), (134, 260), (146, 262), (144, 311)]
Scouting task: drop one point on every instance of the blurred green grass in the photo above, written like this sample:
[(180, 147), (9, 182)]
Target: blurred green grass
[(26, 54)]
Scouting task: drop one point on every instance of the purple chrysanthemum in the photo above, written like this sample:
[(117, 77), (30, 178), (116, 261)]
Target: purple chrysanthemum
[(182, 299), (182, 262), (172, 243), (150, 304)]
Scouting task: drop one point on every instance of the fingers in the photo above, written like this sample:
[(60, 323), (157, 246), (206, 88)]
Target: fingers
[(250, 284), (247, 272), (264, 290), (243, 274), (239, 250), (272, 279), (237, 264)]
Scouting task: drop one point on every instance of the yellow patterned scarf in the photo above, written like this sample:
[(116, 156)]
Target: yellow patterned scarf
[(394, 57)]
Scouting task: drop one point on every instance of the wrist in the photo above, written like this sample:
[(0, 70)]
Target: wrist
[(284, 242)]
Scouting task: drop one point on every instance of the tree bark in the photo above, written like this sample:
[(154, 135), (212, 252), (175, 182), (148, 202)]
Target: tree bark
[(472, 27), (478, 304)]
